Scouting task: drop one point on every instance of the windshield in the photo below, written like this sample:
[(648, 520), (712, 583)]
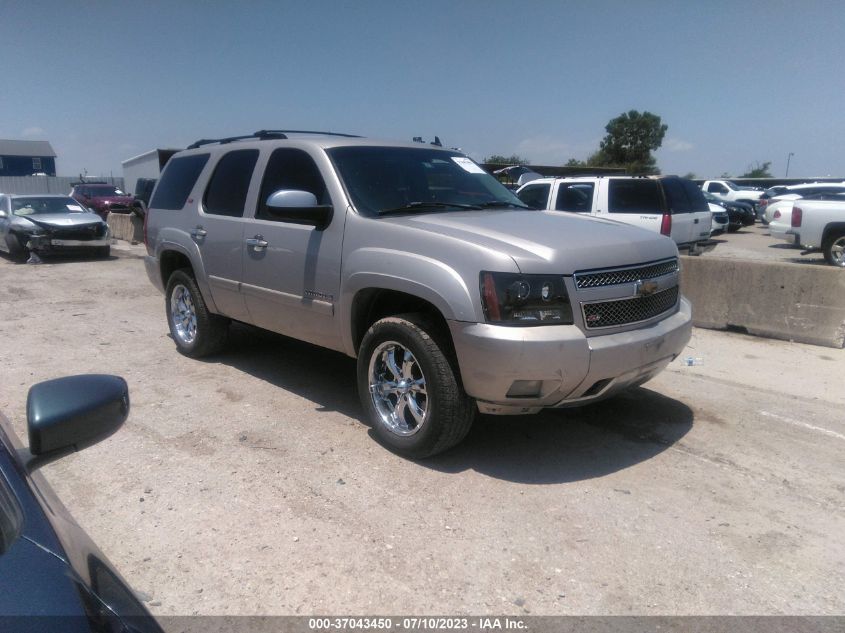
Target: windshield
[(383, 180), (33, 205), (104, 192)]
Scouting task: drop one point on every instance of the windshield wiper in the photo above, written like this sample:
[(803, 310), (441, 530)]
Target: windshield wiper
[(430, 205), (499, 203)]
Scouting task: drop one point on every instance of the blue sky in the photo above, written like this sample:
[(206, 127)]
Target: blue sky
[(736, 82)]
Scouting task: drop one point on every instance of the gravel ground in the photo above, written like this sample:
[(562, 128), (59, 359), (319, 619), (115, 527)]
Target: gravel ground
[(247, 484)]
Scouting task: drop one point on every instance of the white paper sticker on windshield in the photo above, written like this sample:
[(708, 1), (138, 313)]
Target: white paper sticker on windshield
[(74, 207), (468, 165)]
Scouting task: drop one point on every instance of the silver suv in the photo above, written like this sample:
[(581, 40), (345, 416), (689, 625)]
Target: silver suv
[(452, 294)]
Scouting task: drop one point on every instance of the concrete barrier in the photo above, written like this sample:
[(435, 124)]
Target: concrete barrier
[(126, 226), (793, 302)]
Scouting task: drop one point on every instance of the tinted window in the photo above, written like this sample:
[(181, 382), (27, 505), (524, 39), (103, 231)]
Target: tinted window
[(535, 196), (695, 195), (715, 187), (634, 196), (575, 196), (676, 197), (290, 169), (227, 189), (176, 182), (416, 180)]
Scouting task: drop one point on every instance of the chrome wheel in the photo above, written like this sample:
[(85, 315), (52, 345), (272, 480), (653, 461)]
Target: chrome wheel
[(397, 388), (837, 252), (183, 315)]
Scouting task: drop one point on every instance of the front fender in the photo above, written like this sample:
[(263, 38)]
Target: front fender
[(429, 279)]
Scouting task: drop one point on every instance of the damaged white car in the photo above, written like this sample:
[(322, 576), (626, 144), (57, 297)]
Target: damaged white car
[(44, 224)]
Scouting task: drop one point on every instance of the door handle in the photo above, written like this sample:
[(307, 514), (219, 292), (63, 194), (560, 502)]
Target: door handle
[(258, 243), (198, 232), (695, 221)]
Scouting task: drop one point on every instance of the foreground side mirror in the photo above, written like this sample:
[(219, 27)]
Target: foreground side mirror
[(299, 207), (69, 414)]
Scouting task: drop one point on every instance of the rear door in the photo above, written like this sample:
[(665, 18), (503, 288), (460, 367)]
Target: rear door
[(219, 230)]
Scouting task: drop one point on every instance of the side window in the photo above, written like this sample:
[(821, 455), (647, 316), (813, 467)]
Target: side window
[(176, 182), (676, 197), (576, 197), (634, 196), (535, 196), (290, 168), (229, 184)]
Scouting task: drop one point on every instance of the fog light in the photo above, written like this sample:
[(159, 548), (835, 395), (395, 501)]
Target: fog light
[(525, 389)]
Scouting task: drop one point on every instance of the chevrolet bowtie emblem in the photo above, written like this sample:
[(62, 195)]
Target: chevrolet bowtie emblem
[(644, 288)]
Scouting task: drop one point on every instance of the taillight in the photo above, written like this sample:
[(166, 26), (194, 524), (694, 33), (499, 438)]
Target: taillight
[(797, 214), (666, 225)]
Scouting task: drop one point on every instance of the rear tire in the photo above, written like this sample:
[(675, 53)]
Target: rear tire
[(409, 389), (196, 331), (834, 249)]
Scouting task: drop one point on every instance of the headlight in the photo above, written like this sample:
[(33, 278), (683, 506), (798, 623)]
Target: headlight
[(516, 299)]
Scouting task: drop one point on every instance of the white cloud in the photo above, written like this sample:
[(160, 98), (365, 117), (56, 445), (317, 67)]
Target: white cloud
[(677, 145), (32, 131)]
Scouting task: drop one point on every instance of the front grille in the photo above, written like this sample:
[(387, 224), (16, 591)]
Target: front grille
[(633, 310), (85, 232), (624, 275)]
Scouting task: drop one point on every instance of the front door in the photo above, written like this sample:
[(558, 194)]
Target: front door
[(291, 277)]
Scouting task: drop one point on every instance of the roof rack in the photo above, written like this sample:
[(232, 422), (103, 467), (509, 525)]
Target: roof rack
[(265, 135)]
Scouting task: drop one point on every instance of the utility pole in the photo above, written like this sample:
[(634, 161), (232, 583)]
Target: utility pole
[(791, 154)]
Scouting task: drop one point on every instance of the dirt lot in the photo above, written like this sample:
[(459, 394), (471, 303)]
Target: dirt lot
[(246, 484)]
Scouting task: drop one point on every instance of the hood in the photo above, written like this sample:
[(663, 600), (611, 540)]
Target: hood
[(54, 220), (544, 241)]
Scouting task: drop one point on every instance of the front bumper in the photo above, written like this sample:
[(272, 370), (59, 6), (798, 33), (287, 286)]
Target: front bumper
[(557, 365)]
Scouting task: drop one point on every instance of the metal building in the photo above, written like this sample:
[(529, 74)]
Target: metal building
[(26, 158)]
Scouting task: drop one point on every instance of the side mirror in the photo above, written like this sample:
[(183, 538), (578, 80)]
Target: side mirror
[(69, 414), (299, 207)]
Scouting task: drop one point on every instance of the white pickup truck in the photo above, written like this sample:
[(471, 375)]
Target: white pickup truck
[(817, 225), (730, 191)]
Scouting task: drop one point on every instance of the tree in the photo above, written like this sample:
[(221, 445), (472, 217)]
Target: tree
[(689, 175), (631, 138), (760, 171), (574, 162), (513, 159)]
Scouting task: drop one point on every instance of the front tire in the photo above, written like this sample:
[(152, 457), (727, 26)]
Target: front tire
[(103, 252), (834, 250), (196, 331), (409, 389)]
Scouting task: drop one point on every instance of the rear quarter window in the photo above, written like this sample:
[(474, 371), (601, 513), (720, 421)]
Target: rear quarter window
[(696, 197), (177, 181), (634, 196)]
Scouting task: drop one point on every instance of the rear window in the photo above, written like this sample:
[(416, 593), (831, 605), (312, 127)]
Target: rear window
[(176, 182), (634, 196), (696, 197)]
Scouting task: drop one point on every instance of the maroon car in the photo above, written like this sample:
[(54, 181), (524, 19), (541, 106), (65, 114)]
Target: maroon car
[(102, 198)]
